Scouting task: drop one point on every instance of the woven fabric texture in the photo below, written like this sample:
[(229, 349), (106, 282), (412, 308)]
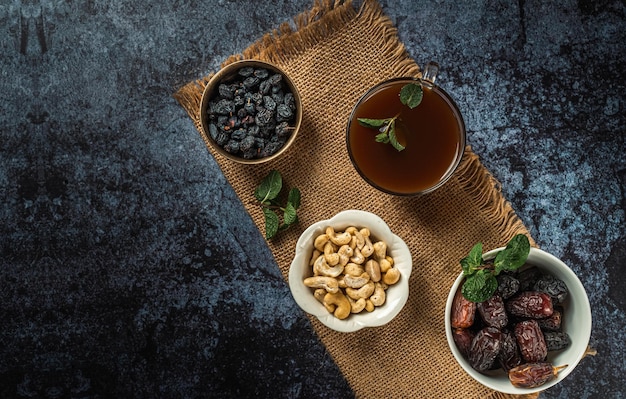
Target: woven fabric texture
[(334, 52)]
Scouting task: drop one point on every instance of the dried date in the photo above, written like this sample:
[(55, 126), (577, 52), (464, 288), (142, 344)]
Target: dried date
[(528, 277), (463, 340), (509, 355), (493, 312), (531, 341), (552, 323), (530, 304), (463, 311), (531, 375), (485, 348)]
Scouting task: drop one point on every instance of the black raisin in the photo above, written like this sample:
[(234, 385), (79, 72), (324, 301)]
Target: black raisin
[(238, 134), (556, 340), (290, 101), (263, 116), (226, 90), (251, 82), (269, 103), (528, 277), (261, 73), (222, 138), (271, 148), (246, 71), (213, 131), (283, 113), (283, 130), (507, 285), (224, 107), (232, 146), (552, 286), (275, 80), (265, 87), (247, 143)]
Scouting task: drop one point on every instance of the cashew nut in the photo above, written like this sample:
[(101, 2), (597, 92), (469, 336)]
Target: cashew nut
[(332, 257), (345, 252), (338, 239), (373, 269), (379, 296), (319, 294), (357, 257), (343, 305), (392, 276), (368, 248), (358, 305), (314, 256), (363, 292), (353, 269), (350, 273), (328, 283), (380, 250), (385, 265), (322, 267), (320, 241), (356, 282)]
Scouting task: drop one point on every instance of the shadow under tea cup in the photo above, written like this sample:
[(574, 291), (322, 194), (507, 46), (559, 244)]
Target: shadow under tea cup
[(433, 135)]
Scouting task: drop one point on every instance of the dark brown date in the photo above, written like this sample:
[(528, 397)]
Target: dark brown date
[(509, 355), (530, 304), (492, 311), (531, 342), (463, 311), (552, 323), (531, 375), (463, 340), (485, 348), (552, 286)]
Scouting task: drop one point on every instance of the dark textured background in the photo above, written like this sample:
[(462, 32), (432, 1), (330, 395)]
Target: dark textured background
[(130, 269)]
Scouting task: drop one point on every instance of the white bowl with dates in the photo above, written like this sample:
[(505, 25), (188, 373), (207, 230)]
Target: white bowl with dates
[(576, 322), (313, 270)]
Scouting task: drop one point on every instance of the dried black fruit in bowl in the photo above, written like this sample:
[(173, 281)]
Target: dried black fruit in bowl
[(255, 101)]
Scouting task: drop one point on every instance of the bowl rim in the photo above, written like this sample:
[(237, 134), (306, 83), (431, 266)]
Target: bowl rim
[(538, 258), (300, 264), (229, 71)]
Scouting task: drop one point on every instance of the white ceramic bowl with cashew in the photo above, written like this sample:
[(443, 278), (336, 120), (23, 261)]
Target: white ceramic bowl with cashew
[(396, 294)]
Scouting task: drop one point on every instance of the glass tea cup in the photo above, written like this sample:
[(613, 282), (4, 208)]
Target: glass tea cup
[(433, 135)]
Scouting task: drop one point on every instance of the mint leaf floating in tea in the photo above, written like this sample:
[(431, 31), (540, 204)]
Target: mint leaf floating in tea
[(267, 196), (480, 276), (410, 95)]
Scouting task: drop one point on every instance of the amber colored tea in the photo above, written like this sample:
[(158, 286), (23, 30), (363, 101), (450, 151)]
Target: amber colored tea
[(433, 134)]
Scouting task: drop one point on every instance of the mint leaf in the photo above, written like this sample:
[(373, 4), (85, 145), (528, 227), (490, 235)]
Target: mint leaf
[(294, 198), (382, 138), (411, 95), (514, 255), (471, 262), (479, 286), (271, 223), (270, 187), (393, 139), (289, 214), (372, 123)]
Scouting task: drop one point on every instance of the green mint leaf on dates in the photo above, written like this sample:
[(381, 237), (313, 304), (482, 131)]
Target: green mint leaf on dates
[(267, 196), (411, 95), (480, 286), (473, 261), (514, 255), (480, 276)]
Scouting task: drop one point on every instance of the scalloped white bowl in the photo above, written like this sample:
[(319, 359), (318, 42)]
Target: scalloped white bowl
[(576, 323), (397, 294)]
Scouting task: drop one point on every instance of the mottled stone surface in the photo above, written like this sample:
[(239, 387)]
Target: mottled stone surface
[(128, 267)]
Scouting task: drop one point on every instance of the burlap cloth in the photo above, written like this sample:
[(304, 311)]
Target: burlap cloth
[(334, 54)]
